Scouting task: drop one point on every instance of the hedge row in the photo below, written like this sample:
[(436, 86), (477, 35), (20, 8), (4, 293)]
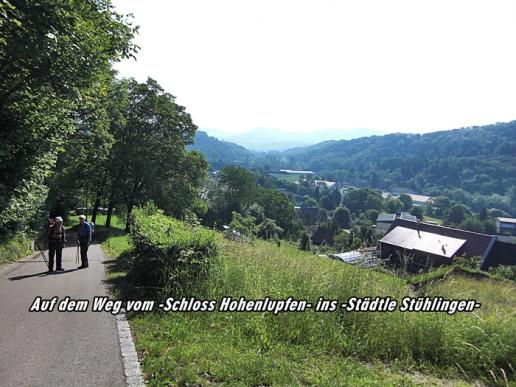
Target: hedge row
[(171, 256)]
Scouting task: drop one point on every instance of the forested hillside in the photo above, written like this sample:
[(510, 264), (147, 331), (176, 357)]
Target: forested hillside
[(477, 160), (219, 153)]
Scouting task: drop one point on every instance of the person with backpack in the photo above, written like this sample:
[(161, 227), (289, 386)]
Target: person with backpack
[(56, 242), (84, 231)]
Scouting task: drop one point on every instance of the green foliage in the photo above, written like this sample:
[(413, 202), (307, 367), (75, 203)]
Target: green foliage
[(269, 229), (237, 191), (472, 224), (457, 214), (418, 212), (305, 242), (372, 215), (169, 254), (149, 160), (342, 217), (52, 54), (342, 241), (361, 200), (311, 202), (246, 225), (478, 160), (504, 271), (330, 199), (219, 153), (278, 208), (406, 200), (393, 205), (14, 248), (468, 262)]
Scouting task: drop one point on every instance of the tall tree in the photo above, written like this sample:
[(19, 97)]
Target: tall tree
[(407, 201), (149, 156), (342, 217), (51, 51)]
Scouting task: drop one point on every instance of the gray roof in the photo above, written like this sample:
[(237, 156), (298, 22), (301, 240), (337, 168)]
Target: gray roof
[(296, 172), (423, 241), (506, 220), (386, 218), (407, 216), (391, 217), (349, 257), (476, 243)]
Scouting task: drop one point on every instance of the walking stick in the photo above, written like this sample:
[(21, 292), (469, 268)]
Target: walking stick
[(77, 255), (36, 244)]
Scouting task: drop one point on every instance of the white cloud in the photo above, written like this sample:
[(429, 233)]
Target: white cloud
[(308, 65)]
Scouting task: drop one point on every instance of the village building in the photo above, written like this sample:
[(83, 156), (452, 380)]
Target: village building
[(506, 226), (422, 243), (420, 200), (293, 172), (384, 221), (422, 247), (325, 184)]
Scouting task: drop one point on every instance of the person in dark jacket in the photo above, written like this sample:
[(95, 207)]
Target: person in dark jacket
[(84, 240), (56, 242)]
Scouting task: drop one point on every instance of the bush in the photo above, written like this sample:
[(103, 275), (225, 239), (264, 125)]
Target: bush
[(14, 248), (170, 255), (468, 262), (504, 271)]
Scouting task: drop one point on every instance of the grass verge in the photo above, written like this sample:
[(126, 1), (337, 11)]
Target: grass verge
[(321, 348), (14, 248)]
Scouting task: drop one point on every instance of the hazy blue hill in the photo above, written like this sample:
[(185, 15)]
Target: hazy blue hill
[(476, 159), (268, 139), (220, 153)]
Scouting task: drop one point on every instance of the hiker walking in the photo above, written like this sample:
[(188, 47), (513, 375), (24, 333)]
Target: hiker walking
[(84, 240), (56, 242)]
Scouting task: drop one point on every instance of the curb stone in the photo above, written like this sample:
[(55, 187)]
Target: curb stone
[(132, 371)]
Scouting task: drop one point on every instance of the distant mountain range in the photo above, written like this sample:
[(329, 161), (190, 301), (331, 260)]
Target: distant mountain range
[(267, 139), (479, 160)]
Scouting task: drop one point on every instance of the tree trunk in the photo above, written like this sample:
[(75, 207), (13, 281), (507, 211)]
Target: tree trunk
[(128, 220), (110, 205), (96, 206)]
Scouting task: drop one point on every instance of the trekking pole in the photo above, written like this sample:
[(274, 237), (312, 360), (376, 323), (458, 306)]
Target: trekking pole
[(77, 255), (36, 244)]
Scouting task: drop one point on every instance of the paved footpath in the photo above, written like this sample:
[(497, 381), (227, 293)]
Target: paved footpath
[(57, 348)]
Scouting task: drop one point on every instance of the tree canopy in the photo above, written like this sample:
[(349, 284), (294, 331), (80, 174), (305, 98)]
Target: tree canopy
[(54, 56)]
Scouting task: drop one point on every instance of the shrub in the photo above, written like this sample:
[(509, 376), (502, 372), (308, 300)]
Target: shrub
[(504, 271), (14, 248), (170, 255)]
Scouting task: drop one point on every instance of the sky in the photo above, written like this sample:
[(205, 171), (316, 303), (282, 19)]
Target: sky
[(299, 66)]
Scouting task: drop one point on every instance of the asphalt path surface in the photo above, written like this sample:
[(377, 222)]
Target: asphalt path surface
[(57, 348)]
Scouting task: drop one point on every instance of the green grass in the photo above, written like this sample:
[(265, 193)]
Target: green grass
[(289, 178), (324, 348), (193, 349), (14, 248), (116, 222)]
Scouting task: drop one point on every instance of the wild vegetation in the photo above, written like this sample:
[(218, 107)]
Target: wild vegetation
[(314, 347), (169, 255)]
